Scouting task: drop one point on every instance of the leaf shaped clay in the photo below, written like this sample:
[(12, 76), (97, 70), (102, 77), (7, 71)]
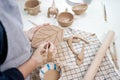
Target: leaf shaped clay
[(47, 33)]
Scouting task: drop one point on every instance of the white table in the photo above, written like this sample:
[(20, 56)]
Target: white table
[(92, 21)]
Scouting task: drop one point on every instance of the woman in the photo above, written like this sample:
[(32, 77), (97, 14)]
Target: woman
[(16, 59)]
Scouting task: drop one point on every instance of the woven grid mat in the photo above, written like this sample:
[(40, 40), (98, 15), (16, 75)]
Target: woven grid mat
[(73, 72)]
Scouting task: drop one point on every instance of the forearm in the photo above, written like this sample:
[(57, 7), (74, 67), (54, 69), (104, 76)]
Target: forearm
[(28, 67), (11, 74)]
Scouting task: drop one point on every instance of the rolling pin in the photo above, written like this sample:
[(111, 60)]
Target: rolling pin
[(92, 70)]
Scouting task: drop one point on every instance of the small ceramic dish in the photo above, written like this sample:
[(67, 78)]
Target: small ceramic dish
[(74, 2), (79, 8), (65, 19), (48, 67)]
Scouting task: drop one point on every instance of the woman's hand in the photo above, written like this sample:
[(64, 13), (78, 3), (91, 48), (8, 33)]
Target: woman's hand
[(32, 31), (38, 58), (41, 53)]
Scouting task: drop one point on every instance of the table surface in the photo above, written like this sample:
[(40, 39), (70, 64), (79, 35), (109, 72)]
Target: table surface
[(91, 21)]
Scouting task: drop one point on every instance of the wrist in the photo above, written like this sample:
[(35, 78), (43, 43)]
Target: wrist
[(34, 60), (37, 61), (28, 67)]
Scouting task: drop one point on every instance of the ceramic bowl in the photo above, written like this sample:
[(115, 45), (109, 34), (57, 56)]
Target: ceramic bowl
[(74, 2), (65, 19), (47, 67), (32, 7), (79, 8)]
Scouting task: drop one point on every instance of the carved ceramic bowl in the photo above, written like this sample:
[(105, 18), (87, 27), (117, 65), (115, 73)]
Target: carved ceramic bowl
[(65, 19), (32, 7), (79, 8), (48, 67)]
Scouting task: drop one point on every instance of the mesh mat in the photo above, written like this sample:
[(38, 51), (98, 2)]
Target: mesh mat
[(73, 72)]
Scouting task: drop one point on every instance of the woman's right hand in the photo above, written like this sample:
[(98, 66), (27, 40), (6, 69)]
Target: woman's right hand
[(40, 54), (38, 58)]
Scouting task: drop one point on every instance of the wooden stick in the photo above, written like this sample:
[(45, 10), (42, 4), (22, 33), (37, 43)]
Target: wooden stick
[(114, 56), (99, 56), (32, 23), (105, 13)]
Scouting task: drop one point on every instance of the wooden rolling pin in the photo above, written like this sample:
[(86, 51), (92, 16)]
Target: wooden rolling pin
[(99, 57)]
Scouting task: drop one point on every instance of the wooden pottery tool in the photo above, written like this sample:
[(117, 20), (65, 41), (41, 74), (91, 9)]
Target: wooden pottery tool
[(50, 56), (115, 59), (99, 56), (105, 13), (52, 11), (32, 7), (80, 56), (33, 23), (114, 55)]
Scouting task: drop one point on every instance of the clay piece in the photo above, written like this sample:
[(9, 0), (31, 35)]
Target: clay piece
[(83, 39), (52, 11), (52, 75), (47, 33), (80, 56), (50, 71), (77, 38)]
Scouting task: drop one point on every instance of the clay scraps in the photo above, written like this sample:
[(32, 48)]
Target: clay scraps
[(76, 39)]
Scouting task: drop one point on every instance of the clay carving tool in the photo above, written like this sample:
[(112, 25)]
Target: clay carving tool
[(49, 54), (45, 53), (105, 13), (32, 23)]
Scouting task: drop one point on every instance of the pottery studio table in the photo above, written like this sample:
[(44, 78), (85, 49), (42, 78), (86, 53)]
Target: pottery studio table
[(91, 21)]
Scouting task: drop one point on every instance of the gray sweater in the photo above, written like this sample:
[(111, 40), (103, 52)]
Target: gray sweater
[(18, 45)]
